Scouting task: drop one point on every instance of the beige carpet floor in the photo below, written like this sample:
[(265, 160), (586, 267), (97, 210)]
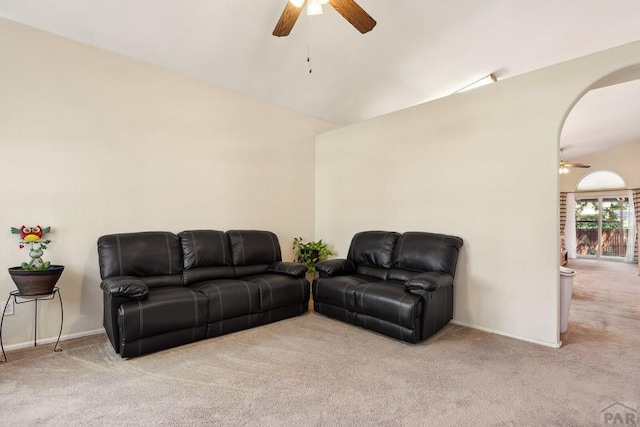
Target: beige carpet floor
[(314, 371)]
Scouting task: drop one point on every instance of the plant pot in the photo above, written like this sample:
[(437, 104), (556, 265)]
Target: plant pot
[(36, 282)]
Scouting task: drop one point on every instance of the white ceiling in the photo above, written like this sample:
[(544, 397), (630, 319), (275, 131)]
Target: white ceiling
[(420, 50)]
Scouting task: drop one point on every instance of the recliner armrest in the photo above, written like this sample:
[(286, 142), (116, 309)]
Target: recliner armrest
[(125, 286), (289, 268), (428, 282), (335, 267)]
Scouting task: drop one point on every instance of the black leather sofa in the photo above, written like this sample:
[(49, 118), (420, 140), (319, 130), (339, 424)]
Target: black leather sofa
[(162, 290), (400, 285)]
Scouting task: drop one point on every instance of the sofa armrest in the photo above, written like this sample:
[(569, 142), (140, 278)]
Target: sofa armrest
[(335, 267), (428, 282), (125, 286), (289, 268)]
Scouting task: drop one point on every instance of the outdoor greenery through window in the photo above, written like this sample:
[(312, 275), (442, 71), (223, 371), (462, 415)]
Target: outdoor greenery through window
[(602, 226)]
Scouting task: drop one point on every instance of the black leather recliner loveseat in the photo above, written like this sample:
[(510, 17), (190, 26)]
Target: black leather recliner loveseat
[(400, 285), (162, 290)]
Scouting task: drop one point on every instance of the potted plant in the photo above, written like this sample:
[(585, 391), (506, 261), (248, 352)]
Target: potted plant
[(36, 277), (310, 253)]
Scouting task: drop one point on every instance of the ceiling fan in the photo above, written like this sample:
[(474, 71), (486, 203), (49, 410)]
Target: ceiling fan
[(349, 10), (564, 165)]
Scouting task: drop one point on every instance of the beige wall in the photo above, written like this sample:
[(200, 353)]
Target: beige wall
[(94, 143), (481, 165), (622, 159)]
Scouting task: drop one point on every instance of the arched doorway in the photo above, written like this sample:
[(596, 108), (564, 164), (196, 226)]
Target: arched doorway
[(602, 207), (606, 138)]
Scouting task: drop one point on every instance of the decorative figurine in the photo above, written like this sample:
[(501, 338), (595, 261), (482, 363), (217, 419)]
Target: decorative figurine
[(31, 237)]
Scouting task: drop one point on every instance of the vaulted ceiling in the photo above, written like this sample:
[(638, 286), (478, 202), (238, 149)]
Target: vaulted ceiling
[(419, 50)]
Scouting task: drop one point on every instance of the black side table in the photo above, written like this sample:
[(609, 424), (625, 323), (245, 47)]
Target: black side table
[(22, 299)]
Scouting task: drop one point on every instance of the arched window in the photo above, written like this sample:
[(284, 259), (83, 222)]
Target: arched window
[(601, 180)]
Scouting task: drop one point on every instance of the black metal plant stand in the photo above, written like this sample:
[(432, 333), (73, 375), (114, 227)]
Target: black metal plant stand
[(22, 299)]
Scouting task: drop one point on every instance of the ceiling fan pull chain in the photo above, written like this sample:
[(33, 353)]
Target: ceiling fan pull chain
[(309, 43)]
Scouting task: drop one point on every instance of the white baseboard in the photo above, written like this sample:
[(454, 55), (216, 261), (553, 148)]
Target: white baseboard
[(455, 322), (54, 339), (506, 334)]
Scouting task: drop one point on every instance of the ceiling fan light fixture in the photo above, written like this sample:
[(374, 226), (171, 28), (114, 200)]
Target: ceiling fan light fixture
[(563, 170), (314, 7), (349, 9)]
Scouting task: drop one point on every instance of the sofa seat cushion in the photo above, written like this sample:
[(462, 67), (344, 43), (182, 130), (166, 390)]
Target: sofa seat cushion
[(386, 300), (338, 291), (228, 298), (164, 310), (279, 290), (390, 301)]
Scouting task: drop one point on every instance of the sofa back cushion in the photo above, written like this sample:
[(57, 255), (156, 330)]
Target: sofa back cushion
[(373, 249), (153, 256), (420, 251), (253, 251), (206, 255)]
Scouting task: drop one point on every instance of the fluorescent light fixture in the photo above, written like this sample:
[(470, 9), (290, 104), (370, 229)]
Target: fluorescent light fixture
[(314, 7), (491, 78), (297, 3)]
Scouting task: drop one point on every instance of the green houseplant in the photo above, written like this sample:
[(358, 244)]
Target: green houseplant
[(310, 253), (36, 277)]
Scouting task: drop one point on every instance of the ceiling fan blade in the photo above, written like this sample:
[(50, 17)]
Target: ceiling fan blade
[(287, 20), (356, 15)]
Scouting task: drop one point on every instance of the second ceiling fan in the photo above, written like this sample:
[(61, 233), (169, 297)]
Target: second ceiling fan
[(349, 9), (564, 165)]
